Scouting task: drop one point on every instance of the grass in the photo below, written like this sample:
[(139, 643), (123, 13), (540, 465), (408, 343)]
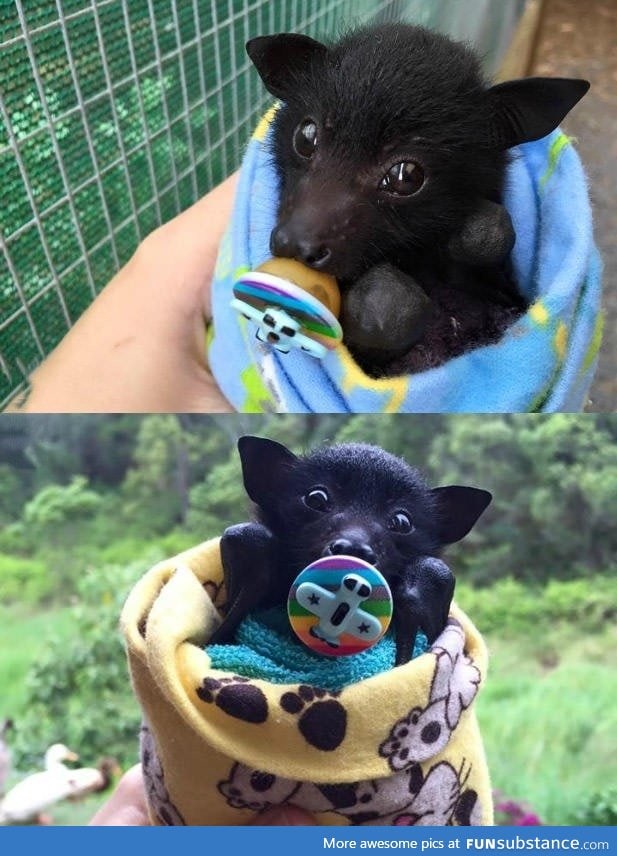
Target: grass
[(23, 631), (548, 719), (78, 813)]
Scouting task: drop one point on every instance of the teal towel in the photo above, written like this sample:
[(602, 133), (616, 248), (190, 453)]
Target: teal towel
[(544, 362), (265, 647)]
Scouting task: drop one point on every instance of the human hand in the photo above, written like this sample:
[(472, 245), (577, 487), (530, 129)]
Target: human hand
[(284, 815), (140, 346), (127, 807)]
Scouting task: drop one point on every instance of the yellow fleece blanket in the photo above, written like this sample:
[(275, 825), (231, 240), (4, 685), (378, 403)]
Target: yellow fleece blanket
[(399, 748)]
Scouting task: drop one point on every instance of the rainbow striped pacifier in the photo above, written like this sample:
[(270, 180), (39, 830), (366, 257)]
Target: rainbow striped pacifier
[(339, 605), (292, 306)]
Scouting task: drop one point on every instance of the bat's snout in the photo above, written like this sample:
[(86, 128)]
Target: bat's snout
[(286, 243), (353, 545)]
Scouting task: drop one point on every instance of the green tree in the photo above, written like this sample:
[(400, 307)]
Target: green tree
[(409, 437), (52, 529), (554, 485), (219, 501), (14, 491), (80, 694), (57, 504), (156, 486), (97, 446)]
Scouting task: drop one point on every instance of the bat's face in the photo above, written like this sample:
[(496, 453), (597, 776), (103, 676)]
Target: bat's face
[(387, 140), (344, 501), (352, 499), (375, 154)]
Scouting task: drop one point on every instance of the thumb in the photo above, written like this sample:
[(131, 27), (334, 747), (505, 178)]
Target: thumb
[(284, 815), (127, 804)]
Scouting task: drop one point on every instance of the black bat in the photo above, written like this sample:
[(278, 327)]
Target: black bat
[(391, 152), (350, 499)]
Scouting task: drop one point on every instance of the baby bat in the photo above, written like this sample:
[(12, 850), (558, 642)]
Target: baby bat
[(351, 499), (389, 145)]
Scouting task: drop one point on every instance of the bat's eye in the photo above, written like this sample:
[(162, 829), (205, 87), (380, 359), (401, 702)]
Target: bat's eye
[(403, 179), (317, 498), (305, 139), (400, 522)]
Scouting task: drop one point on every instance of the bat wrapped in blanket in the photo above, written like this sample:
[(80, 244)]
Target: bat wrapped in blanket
[(350, 499), (391, 153)]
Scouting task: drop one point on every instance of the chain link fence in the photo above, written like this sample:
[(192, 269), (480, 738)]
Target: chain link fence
[(115, 116)]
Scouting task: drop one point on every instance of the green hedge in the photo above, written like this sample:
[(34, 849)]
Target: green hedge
[(23, 580), (511, 607)]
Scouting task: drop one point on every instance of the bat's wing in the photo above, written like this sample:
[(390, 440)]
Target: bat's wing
[(248, 557), (316, 599), (421, 601)]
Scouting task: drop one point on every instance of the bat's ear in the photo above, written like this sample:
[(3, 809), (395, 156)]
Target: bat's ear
[(528, 109), (264, 467), (458, 509), (278, 59)]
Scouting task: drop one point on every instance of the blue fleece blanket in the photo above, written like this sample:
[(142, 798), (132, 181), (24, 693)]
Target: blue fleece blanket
[(265, 647), (545, 361)]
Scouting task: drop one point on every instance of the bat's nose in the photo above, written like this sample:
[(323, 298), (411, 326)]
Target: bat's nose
[(351, 547), (285, 242)]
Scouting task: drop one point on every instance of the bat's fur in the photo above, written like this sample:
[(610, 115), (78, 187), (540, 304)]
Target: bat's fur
[(384, 92), (387, 94), (366, 487)]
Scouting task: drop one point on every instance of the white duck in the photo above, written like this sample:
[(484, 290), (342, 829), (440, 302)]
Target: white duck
[(29, 798), (5, 754)]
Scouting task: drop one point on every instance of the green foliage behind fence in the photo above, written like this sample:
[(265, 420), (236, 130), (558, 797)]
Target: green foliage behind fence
[(115, 116)]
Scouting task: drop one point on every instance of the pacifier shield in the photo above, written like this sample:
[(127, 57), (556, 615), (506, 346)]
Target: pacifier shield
[(304, 321), (339, 605)]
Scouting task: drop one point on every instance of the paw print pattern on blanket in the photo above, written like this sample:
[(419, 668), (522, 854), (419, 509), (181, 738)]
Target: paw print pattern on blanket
[(254, 789), (154, 780), (360, 802), (322, 720), (411, 795), (442, 800), (407, 798), (425, 731), (236, 696)]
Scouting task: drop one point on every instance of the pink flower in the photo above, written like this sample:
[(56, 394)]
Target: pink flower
[(529, 819), (511, 813)]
